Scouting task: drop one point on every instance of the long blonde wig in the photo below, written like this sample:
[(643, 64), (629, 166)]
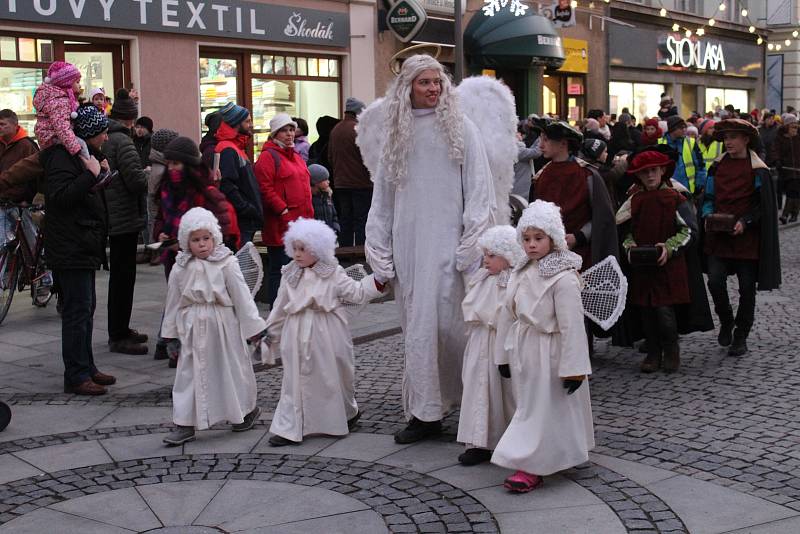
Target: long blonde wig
[(399, 117)]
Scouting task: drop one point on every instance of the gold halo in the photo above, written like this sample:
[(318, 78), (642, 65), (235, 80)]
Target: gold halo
[(393, 60)]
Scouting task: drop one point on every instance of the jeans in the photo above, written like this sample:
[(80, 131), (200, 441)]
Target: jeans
[(277, 258), (121, 283), (353, 210), (77, 321), (747, 273)]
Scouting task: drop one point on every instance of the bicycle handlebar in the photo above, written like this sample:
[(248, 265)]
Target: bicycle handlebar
[(21, 205)]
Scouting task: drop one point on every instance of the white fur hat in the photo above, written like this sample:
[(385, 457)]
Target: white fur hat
[(502, 241), (198, 219), (279, 121), (315, 235), (545, 216)]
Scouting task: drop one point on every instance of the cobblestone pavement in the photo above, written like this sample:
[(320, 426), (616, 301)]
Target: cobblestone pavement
[(713, 448)]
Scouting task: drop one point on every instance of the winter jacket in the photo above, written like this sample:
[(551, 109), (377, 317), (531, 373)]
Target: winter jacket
[(23, 180), (125, 194), (53, 113), (768, 136), (523, 168), (302, 146), (324, 210), (76, 221), (20, 146), (345, 157), (785, 154), (142, 145), (288, 188), (207, 145), (239, 184), (158, 166)]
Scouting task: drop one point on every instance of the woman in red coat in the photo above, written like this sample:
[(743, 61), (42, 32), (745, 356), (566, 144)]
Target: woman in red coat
[(285, 193)]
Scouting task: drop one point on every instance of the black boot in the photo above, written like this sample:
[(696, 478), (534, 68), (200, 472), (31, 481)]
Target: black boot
[(418, 430), (672, 358), (474, 456), (739, 345), (725, 333)]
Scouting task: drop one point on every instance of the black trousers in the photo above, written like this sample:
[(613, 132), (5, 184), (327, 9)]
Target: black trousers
[(353, 210), (121, 283), (660, 327), (277, 258), (77, 322), (747, 273)]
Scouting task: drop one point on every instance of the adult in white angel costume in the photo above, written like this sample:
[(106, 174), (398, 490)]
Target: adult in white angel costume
[(434, 195)]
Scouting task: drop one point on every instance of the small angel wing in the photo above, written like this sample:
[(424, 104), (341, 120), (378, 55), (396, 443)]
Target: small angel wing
[(251, 266), (604, 292), (370, 134), (490, 105)]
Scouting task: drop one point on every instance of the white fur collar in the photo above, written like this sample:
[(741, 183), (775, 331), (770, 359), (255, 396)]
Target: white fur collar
[(220, 253), (292, 271)]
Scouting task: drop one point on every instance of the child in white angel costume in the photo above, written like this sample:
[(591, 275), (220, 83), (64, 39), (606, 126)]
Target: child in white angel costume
[(211, 315), (486, 404), (308, 328), (548, 356)]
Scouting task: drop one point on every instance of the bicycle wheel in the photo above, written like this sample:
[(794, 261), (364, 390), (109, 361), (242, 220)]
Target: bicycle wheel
[(9, 274), (42, 289)]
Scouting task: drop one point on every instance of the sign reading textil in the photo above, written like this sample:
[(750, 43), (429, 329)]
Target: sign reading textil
[(220, 18)]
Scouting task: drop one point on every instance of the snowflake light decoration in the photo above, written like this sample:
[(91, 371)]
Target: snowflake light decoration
[(494, 6)]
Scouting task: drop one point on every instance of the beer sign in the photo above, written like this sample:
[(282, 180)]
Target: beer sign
[(405, 19)]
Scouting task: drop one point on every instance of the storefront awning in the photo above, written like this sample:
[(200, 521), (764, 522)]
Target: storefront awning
[(505, 40)]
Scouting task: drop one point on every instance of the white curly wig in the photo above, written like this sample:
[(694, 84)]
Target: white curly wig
[(198, 219), (399, 116), (545, 216), (502, 241), (317, 237)]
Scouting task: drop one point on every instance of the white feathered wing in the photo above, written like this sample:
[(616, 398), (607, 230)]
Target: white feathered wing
[(371, 134)]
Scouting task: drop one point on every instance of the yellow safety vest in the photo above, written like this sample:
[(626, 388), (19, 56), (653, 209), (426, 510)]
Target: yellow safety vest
[(711, 152), (688, 159)]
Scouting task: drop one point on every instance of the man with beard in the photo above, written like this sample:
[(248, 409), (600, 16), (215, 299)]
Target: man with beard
[(238, 180)]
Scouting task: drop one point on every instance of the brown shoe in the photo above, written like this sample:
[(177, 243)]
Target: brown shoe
[(136, 337), (672, 359), (103, 379), (652, 362), (87, 387), (126, 346)]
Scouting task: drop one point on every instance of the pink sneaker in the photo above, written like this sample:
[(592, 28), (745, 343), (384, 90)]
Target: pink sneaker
[(522, 482)]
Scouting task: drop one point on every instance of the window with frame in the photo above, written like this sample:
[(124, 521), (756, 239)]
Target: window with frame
[(23, 65)]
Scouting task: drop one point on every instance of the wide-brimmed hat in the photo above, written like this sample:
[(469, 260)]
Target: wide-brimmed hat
[(653, 156), (562, 130), (735, 125)]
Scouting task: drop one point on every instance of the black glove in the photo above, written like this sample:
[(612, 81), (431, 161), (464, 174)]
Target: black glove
[(572, 386), (504, 370)]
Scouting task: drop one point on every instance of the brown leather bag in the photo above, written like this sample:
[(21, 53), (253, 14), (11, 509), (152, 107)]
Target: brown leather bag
[(720, 222)]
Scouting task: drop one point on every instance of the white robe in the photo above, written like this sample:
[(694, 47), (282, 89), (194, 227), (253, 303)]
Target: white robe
[(308, 327), (486, 404), (210, 309), (424, 235), (551, 430)]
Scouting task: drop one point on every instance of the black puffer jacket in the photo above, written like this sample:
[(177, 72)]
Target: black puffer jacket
[(76, 228), (126, 193)]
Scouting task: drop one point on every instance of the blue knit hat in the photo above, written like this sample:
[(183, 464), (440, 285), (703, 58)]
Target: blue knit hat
[(233, 114), (89, 122)]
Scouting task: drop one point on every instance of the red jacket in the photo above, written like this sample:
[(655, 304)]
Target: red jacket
[(291, 189)]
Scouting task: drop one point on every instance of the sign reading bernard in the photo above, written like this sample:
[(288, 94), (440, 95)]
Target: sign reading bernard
[(676, 52), (212, 18)]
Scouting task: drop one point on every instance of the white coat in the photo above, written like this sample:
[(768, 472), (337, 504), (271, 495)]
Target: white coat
[(424, 235), (210, 309), (308, 327), (486, 404), (551, 430)]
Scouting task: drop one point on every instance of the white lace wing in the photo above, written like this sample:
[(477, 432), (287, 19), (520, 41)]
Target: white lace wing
[(490, 105), (371, 133), (357, 273), (604, 292), (251, 266)]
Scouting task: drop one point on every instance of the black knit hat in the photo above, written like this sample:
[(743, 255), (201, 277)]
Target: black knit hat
[(593, 148), (147, 122), (674, 122), (184, 150), (161, 138), (124, 108), (89, 122)]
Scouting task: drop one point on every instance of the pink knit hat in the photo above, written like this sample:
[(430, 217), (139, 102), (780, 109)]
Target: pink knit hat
[(62, 74)]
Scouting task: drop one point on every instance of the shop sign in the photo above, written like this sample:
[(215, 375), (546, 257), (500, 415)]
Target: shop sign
[(210, 18), (560, 12), (691, 53), (443, 7), (576, 52), (406, 18), (574, 89)]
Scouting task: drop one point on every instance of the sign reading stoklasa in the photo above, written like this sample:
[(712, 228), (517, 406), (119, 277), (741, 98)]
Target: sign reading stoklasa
[(692, 54), (219, 18)]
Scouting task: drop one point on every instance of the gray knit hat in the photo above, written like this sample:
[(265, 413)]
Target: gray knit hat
[(161, 138), (184, 150), (318, 173), (353, 105)]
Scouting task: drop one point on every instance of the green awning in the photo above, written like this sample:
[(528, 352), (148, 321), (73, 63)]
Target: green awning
[(505, 40)]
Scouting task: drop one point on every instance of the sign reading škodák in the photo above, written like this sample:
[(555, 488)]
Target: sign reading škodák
[(406, 18)]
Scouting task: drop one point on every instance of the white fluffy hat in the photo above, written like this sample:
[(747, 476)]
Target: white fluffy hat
[(502, 241), (545, 216), (198, 219), (279, 121), (315, 235)]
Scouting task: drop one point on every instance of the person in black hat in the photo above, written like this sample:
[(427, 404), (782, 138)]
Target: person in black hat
[(740, 218), (142, 131), (75, 235), (690, 170)]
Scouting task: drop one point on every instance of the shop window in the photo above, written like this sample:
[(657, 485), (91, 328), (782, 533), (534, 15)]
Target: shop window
[(641, 99), (17, 86), (717, 98), (219, 79), (97, 69), (8, 49)]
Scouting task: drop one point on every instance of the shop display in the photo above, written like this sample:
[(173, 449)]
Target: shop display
[(218, 84), (17, 86)]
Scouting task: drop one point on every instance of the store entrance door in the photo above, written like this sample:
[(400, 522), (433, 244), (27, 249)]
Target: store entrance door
[(102, 65)]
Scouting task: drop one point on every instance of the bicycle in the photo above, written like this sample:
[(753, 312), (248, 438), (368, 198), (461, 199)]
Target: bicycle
[(21, 264)]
